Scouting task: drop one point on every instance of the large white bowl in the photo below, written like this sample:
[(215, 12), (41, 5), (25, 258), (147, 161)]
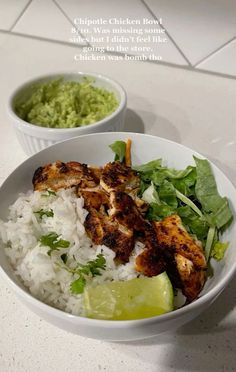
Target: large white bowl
[(94, 149), (34, 138)]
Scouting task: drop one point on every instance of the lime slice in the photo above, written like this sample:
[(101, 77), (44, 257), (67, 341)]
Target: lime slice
[(134, 299)]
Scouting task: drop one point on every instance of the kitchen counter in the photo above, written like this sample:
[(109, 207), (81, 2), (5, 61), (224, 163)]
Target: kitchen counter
[(190, 107)]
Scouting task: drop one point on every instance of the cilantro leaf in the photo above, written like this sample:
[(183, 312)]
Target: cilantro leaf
[(43, 212), (77, 286), (49, 193), (52, 241), (91, 268)]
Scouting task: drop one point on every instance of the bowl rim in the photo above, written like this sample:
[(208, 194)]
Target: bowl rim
[(50, 76), (206, 298)]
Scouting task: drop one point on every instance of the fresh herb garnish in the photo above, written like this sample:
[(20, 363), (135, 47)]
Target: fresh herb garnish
[(91, 268), (52, 241), (43, 212), (49, 193)]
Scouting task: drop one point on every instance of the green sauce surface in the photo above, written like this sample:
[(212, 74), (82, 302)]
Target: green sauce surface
[(66, 104)]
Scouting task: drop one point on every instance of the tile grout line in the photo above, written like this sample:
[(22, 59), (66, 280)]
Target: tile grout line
[(214, 52), (80, 46), (68, 18), (20, 15), (167, 33), (189, 67)]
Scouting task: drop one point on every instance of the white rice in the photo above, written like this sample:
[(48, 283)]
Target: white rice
[(42, 274)]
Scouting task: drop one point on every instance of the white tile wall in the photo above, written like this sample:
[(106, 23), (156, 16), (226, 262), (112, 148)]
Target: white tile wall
[(43, 18), (10, 10), (224, 61), (133, 9), (198, 30), (198, 27)]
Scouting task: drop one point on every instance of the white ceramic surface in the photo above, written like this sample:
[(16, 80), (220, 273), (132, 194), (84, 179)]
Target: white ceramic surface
[(144, 148), (34, 138)]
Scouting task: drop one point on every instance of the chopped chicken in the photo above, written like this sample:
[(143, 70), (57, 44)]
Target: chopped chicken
[(103, 230), (185, 260), (118, 177), (124, 209), (171, 233), (150, 262), (59, 175), (94, 198)]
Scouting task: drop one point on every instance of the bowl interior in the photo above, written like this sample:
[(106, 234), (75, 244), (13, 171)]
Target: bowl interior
[(144, 148)]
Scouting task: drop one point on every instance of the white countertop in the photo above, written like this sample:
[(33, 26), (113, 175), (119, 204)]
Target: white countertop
[(193, 108)]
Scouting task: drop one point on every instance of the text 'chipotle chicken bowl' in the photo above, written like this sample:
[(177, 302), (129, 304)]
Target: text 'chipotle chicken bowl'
[(117, 236)]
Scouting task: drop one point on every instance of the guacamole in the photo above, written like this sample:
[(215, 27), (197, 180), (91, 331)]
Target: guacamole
[(66, 104)]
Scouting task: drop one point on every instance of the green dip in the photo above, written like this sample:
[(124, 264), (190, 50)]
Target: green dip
[(66, 104)]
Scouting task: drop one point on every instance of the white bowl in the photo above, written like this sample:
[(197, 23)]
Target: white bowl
[(34, 138), (144, 148)]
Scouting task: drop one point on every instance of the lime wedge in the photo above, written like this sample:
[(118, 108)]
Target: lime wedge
[(134, 299)]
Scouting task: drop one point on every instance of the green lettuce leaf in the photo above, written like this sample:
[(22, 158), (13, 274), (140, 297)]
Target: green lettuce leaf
[(148, 167), (150, 195), (206, 192), (157, 212), (218, 250), (167, 194), (118, 148), (193, 222)]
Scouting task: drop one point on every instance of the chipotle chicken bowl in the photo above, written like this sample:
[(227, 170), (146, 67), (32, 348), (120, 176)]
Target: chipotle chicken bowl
[(117, 236)]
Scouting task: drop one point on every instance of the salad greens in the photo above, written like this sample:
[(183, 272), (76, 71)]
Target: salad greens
[(118, 148), (191, 193)]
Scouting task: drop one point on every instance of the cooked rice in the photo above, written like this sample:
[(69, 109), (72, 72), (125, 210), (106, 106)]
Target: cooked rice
[(42, 274)]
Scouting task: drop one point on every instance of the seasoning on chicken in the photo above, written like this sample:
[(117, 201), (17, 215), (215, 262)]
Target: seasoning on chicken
[(172, 234), (185, 260), (60, 175), (103, 230), (93, 198), (124, 209), (150, 262), (118, 177)]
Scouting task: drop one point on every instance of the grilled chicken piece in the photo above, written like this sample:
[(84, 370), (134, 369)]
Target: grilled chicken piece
[(171, 233), (103, 230), (59, 175), (124, 209), (94, 198), (185, 260), (150, 262), (118, 177), (192, 279)]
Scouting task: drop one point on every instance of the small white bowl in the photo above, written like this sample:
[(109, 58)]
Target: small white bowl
[(144, 148), (34, 138)]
